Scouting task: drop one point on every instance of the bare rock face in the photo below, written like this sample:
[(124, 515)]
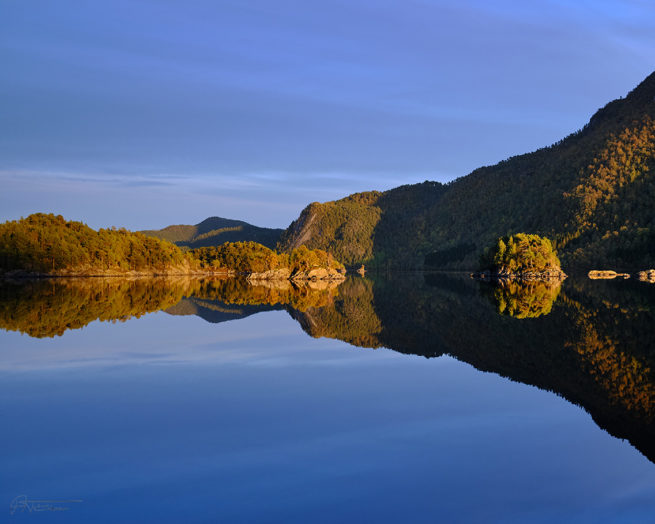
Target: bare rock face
[(647, 276), (272, 274), (300, 230), (314, 274), (318, 273)]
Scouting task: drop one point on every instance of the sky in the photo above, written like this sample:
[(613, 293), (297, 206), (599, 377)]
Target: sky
[(143, 113)]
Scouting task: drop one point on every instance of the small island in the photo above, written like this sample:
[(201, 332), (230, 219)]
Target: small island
[(45, 245), (606, 274), (520, 257), (647, 276)]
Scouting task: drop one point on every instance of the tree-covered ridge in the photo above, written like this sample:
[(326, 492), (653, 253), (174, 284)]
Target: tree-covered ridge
[(344, 228), (521, 254), (251, 257), (243, 257), (611, 215), (45, 243), (591, 192), (48, 244), (214, 231)]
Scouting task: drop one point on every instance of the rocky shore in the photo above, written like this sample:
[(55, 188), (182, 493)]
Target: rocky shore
[(281, 274), (526, 276), (113, 273), (607, 274), (311, 274)]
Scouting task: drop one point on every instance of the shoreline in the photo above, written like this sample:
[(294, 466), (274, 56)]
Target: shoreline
[(542, 276), (253, 277)]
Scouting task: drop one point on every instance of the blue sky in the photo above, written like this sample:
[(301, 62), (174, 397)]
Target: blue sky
[(145, 113)]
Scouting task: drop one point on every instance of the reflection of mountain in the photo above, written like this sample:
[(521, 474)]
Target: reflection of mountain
[(592, 342), (47, 308), (215, 311), (595, 348), (349, 317)]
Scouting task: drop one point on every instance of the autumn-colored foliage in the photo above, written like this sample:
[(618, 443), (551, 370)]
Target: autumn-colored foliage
[(592, 193), (525, 299), (48, 244), (521, 253), (250, 257)]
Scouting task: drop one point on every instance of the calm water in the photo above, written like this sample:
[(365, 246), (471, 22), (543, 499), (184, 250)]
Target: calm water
[(212, 401)]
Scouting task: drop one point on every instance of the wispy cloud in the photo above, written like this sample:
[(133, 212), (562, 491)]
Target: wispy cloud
[(209, 108), (271, 199)]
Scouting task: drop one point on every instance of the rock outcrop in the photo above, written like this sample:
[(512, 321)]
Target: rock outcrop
[(319, 273), (606, 274), (552, 275), (272, 274), (647, 276)]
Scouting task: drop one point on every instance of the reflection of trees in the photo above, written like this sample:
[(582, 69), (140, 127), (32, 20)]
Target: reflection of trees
[(349, 317), (591, 342), (592, 345), (525, 299), (46, 308), (615, 341), (628, 380), (300, 296)]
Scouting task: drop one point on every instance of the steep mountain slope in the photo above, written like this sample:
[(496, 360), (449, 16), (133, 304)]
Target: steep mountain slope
[(214, 231), (592, 193)]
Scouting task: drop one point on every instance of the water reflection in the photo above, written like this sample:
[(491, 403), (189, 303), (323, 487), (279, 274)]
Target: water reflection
[(48, 308), (590, 342), (517, 299)]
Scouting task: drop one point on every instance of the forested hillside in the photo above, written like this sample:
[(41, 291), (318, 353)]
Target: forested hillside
[(49, 244), (45, 243), (592, 194), (214, 231)]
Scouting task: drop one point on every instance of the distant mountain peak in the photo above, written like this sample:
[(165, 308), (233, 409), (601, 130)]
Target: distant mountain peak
[(216, 230)]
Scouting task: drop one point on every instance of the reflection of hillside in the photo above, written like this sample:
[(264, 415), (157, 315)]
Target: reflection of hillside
[(215, 311), (264, 293), (616, 343), (349, 317), (593, 346), (46, 308), (595, 353)]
